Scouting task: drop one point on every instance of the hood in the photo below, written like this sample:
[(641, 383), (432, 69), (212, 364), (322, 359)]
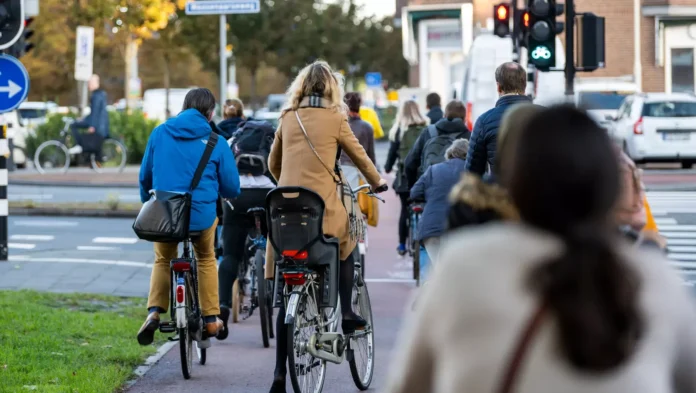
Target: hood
[(483, 195), (189, 124), (454, 126)]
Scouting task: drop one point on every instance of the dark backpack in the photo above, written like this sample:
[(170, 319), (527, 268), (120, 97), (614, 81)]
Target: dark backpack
[(435, 147), (407, 139), (251, 147)]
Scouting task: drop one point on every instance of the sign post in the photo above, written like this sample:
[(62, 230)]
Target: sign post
[(84, 52), (223, 8)]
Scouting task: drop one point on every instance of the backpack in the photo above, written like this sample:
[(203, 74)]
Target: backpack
[(251, 146), (407, 139), (435, 147)]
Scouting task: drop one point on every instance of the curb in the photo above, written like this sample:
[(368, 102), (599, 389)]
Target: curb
[(71, 184), (65, 212), (150, 362)]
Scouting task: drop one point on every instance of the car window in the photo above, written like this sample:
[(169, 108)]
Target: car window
[(669, 109), (625, 108), (32, 113), (606, 100)]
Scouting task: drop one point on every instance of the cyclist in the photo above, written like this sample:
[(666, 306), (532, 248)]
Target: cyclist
[(171, 157), (408, 127), (255, 183), (312, 129), (365, 134), (233, 111), (97, 122)]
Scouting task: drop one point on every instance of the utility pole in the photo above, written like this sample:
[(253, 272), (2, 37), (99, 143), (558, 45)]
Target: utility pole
[(223, 59), (570, 48)]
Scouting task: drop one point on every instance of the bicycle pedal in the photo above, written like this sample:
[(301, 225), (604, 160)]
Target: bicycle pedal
[(204, 344), (173, 338), (167, 327)]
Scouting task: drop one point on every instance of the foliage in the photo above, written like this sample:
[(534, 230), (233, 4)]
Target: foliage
[(45, 132)]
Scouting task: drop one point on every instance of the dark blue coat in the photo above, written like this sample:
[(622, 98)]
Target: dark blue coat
[(435, 114), (434, 187), (98, 116), (227, 127), (484, 138)]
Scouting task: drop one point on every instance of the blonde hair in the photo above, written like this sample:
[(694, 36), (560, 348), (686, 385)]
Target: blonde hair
[(408, 115), (233, 108), (317, 79)]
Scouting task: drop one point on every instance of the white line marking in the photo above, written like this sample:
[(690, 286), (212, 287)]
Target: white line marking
[(677, 227), (680, 249), (679, 235), (35, 238), (391, 280), (21, 246), (115, 240), (33, 223), (26, 258), (680, 258), (681, 242), (96, 248), (665, 221), (33, 197), (675, 210), (152, 360)]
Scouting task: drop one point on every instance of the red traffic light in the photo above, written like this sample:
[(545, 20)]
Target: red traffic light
[(501, 12), (525, 19)]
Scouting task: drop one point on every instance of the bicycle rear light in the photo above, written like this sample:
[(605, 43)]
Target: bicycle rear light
[(294, 278), (179, 293), (181, 266), (294, 255)]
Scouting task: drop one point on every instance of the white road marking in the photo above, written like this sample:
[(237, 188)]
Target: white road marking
[(35, 238), (129, 197), (679, 260), (31, 197), (45, 224), (665, 221), (26, 258), (681, 242), (682, 249), (21, 246), (679, 235), (391, 280), (115, 240), (96, 248), (664, 228)]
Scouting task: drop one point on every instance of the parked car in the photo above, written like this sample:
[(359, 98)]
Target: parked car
[(17, 133), (657, 127), (31, 114)]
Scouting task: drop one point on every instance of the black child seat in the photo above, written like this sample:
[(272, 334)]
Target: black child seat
[(295, 219)]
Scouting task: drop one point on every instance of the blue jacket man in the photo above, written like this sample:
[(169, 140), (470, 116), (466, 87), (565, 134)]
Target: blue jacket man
[(511, 80), (97, 122)]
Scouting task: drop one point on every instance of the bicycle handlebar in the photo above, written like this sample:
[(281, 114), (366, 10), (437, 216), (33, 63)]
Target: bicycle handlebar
[(370, 192)]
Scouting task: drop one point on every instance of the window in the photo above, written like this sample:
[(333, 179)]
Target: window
[(606, 100), (682, 70), (625, 109), (32, 113), (669, 109)]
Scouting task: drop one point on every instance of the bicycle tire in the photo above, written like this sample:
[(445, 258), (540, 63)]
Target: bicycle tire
[(262, 294), (61, 146), (120, 148), (416, 263), (292, 366), (202, 354), (365, 311), (236, 301), (185, 336)]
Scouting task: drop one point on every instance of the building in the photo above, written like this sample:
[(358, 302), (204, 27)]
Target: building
[(651, 42)]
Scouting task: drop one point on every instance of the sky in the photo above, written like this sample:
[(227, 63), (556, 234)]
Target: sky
[(379, 8)]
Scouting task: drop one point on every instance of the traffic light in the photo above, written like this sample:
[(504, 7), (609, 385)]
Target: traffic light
[(590, 42), (23, 45), (542, 31), (501, 17), (11, 22)]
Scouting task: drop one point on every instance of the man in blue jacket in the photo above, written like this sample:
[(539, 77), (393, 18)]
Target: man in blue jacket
[(171, 157), (98, 119), (511, 80)]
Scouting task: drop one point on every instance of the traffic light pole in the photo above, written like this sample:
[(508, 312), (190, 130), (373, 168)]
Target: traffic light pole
[(570, 48)]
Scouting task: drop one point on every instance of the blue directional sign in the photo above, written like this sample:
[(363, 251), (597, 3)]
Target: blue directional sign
[(373, 79), (14, 83), (222, 7)]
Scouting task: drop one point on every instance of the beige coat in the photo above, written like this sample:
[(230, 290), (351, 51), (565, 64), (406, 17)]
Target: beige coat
[(292, 163)]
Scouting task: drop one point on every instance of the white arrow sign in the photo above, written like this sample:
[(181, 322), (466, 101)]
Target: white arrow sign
[(11, 89)]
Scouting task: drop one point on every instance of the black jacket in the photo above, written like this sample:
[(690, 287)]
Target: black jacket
[(413, 160), (484, 138), (435, 114)]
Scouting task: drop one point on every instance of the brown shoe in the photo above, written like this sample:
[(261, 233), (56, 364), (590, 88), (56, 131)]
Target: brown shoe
[(146, 334), (213, 328)]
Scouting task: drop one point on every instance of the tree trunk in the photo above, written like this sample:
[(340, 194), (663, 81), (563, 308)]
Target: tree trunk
[(167, 82)]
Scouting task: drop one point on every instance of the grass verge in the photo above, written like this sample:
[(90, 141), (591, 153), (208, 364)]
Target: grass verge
[(69, 343)]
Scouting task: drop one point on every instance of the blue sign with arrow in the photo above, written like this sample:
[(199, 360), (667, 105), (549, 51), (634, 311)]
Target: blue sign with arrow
[(373, 79), (14, 83)]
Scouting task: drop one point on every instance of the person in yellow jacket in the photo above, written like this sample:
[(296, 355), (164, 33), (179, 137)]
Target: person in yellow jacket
[(369, 115), (650, 230)]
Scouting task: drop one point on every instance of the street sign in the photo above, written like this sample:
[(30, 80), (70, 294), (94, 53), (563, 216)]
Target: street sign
[(373, 79), (223, 7), (84, 52), (14, 83)]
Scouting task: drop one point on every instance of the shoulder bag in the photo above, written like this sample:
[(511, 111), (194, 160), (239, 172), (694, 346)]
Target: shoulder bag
[(165, 217), (355, 218)]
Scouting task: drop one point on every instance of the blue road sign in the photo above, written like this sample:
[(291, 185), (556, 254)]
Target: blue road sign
[(373, 79), (222, 7), (14, 83)]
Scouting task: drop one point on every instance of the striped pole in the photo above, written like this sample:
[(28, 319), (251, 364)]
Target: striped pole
[(4, 208)]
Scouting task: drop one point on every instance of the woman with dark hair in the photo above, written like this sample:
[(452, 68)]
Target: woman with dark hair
[(365, 134), (233, 112), (170, 161), (558, 302)]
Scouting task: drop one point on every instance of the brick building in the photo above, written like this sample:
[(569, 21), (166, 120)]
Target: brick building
[(666, 33)]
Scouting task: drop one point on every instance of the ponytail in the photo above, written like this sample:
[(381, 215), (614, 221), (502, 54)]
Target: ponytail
[(594, 297)]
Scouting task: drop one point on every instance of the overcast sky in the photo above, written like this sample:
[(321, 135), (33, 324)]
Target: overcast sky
[(379, 8)]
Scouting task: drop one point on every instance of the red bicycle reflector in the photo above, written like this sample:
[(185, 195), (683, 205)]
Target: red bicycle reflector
[(294, 278), (502, 12), (293, 254), (469, 116), (417, 209), (181, 267), (179, 293)]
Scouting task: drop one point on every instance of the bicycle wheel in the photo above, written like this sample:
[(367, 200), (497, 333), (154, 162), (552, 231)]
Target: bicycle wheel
[(307, 373), (361, 356), (52, 156), (416, 263), (262, 295), (112, 157), (202, 354), (185, 336)]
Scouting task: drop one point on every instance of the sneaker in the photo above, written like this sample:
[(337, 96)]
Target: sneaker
[(77, 149), (401, 250)]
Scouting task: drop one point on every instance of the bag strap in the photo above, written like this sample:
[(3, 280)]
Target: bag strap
[(209, 146), (515, 361), (311, 146)]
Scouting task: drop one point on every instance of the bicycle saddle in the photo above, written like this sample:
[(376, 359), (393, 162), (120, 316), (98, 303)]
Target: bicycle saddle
[(256, 210)]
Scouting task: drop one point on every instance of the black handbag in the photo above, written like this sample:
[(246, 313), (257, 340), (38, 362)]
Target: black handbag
[(165, 217)]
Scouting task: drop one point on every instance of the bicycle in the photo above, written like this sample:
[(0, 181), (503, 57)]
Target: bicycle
[(57, 156), (307, 284), (414, 247), (185, 310), (259, 288)]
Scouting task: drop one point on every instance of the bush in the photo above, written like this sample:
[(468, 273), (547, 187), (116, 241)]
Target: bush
[(132, 129)]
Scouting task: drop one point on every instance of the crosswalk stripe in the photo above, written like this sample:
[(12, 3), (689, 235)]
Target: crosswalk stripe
[(667, 228), (21, 246), (665, 221), (96, 248), (681, 242), (35, 238), (115, 240)]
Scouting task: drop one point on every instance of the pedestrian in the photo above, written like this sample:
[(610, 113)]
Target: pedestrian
[(434, 188), (407, 128), (475, 200), (433, 104), (313, 127), (172, 154), (511, 80), (431, 145), (370, 115), (365, 134), (233, 112), (555, 303), (96, 123)]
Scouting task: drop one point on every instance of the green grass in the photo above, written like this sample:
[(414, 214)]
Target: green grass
[(69, 343)]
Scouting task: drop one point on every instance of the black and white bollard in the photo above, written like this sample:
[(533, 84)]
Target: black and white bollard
[(4, 207)]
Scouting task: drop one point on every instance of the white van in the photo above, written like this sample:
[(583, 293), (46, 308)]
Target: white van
[(154, 102)]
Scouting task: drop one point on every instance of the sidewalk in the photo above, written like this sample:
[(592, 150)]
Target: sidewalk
[(78, 177)]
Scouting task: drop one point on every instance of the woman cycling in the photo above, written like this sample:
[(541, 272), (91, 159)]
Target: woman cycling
[(316, 98)]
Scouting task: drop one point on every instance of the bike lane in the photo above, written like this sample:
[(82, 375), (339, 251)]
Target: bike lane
[(240, 364)]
